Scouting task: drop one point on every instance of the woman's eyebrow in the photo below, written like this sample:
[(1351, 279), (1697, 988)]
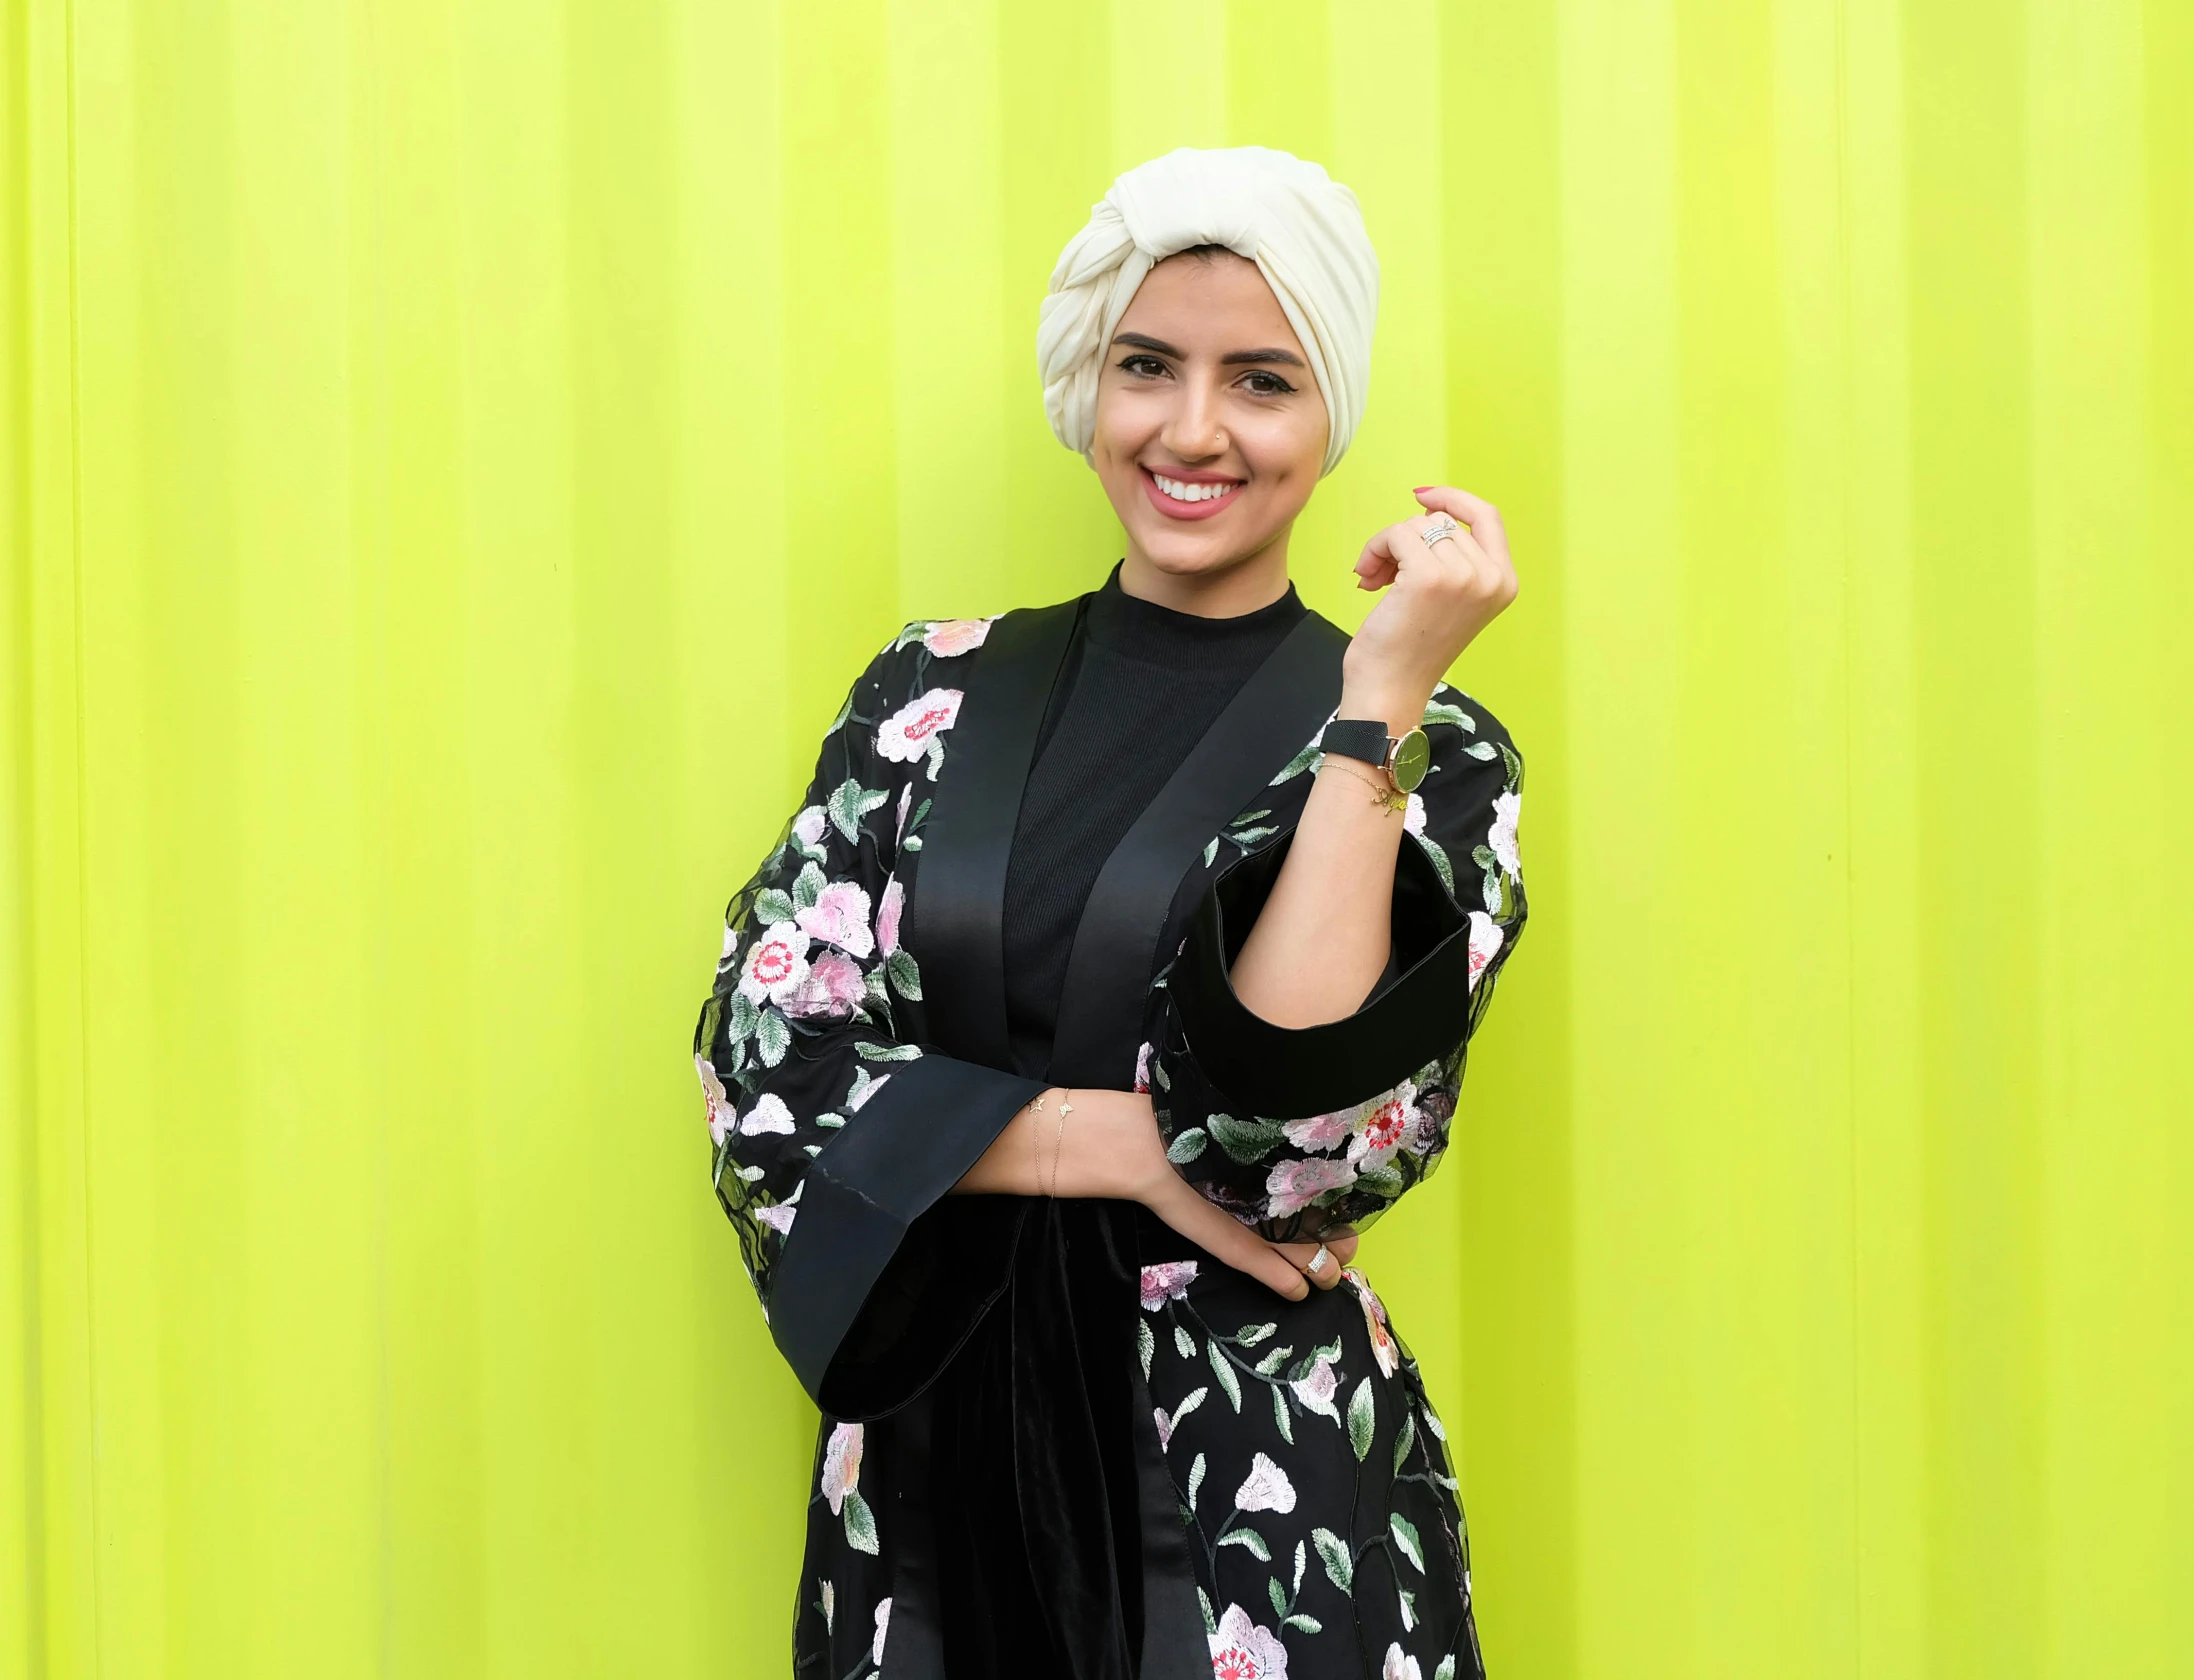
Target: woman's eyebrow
[(1141, 341)]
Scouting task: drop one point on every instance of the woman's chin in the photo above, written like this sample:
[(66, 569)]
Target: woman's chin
[(1188, 553)]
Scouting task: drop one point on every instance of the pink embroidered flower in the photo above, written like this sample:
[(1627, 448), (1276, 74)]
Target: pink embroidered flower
[(1413, 820), (861, 1097), (769, 1114), (1501, 837), (808, 826), (1166, 1282), (883, 1626), (1399, 1667), (839, 916), (1382, 1339), (1265, 1488), (1386, 1125), (1142, 1068), (1241, 1650), (888, 911), (718, 1101), (778, 1218), (904, 736), (948, 638), (834, 985), (1316, 1391), (841, 1465), (1320, 1131), (1294, 1185), (1485, 943), (1165, 1427), (776, 963)]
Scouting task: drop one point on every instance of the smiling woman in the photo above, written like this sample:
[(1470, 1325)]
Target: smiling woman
[(1081, 1020)]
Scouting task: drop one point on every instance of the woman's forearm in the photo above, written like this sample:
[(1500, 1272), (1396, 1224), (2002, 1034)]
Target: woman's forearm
[(1322, 938)]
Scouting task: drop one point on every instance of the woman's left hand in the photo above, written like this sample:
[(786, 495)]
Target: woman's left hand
[(1341, 1246), (1442, 595)]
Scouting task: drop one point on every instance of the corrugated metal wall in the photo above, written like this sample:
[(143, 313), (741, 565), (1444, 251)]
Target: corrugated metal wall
[(458, 451)]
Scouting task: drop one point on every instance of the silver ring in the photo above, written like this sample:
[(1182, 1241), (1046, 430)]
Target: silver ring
[(1318, 1262), (1440, 530)]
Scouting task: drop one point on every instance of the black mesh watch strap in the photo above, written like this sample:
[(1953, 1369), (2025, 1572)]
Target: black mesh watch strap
[(1358, 738)]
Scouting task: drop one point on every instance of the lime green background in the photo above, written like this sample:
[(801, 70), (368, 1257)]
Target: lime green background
[(457, 452)]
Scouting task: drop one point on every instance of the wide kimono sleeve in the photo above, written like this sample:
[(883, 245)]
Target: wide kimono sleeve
[(835, 1134), (1300, 1130)]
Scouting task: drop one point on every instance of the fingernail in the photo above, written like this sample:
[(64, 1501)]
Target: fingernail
[(1420, 490)]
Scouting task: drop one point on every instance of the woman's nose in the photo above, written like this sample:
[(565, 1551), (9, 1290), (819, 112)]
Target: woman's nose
[(1195, 430)]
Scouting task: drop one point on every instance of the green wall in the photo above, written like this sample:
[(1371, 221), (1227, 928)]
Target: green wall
[(457, 452)]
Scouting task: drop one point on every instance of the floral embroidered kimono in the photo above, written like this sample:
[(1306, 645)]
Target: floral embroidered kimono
[(1057, 1438)]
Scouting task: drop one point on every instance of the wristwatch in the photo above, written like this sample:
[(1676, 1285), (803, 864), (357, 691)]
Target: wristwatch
[(1404, 758)]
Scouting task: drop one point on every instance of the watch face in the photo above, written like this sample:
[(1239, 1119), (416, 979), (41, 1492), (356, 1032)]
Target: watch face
[(1412, 755)]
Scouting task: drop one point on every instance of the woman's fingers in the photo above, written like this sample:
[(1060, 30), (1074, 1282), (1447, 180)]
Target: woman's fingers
[(1483, 518), (1340, 1249), (1227, 1239)]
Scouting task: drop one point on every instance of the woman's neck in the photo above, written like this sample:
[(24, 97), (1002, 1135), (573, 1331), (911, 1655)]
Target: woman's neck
[(1227, 590)]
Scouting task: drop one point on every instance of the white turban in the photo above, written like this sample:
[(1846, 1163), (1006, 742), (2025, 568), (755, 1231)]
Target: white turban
[(1302, 229)]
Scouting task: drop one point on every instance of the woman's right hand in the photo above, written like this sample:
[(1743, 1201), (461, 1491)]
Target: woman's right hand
[(1110, 1150)]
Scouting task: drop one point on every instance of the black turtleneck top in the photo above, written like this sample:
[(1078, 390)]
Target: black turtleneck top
[(1138, 688)]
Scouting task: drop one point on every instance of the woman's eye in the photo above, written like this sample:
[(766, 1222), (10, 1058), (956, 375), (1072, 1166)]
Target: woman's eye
[(1143, 367), (1267, 384)]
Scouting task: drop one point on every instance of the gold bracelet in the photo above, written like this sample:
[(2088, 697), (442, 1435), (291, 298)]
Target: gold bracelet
[(1388, 799), (1059, 1143), (1036, 1138)]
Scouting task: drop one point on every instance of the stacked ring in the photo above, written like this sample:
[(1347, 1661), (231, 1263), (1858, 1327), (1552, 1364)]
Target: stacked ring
[(1441, 530), (1318, 1262)]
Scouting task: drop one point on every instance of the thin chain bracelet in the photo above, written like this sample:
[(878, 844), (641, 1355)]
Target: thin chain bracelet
[(1059, 1144), (1387, 799), (1036, 1138)]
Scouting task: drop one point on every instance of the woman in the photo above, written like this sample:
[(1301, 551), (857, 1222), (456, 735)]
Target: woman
[(1119, 967)]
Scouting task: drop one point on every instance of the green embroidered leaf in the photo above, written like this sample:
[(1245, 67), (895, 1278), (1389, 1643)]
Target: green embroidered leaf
[(1446, 1670), (1409, 1610), (1246, 1141), (1404, 1440), (1158, 1075), (1301, 1557), (936, 761), (1273, 1592), (772, 1038), (811, 1150), (1183, 1343), (1187, 1146), (1362, 1415), (1211, 851), (912, 843), (1146, 1344), (830, 1122), (1252, 1334), (912, 633), (1333, 1553), (845, 710), (1483, 857), (1384, 1179), (1439, 711), (742, 1016), (860, 1524), (906, 979), (1195, 1480), (1432, 1422), (1250, 836), (1438, 854), (807, 886), (1482, 750), (1224, 1371), (773, 905), (888, 1052), (1513, 764), (1308, 1624), (1194, 1399), (1405, 1536), (849, 803), (1301, 761), (1250, 1541), (1279, 1415), (1211, 1622), (1271, 1361), (1490, 891)]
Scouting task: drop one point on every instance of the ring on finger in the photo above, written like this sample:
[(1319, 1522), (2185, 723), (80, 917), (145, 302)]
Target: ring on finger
[(1318, 1262), (1442, 529)]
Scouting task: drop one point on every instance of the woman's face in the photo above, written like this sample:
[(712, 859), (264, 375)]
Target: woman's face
[(1210, 430)]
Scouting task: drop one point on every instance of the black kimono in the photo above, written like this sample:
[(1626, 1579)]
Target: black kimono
[(1057, 1438)]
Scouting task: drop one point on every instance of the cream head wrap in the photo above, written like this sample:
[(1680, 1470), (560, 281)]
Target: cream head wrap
[(1302, 229)]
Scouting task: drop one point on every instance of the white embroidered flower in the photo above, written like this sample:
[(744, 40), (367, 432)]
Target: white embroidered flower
[(883, 1625), (839, 916), (1501, 837), (1382, 1339), (830, 1607), (841, 1465), (904, 736), (769, 1114), (1168, 1281), (1316, 1390), (808, 826), (948, 638), (1399, 1667), (776, 963), (1386, 1125), (1413, 820), (1485, 944), (1320, 1131), (779, 1216), (1265, 1488), (1294, 1185), (888, 911), (833, 987), (1241, 1650), (717, 1099)]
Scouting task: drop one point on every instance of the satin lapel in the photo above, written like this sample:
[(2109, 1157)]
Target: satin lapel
[(1116, 941), (956, 907)]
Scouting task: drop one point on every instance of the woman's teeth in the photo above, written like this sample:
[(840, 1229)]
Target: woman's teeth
[(1190, 492)]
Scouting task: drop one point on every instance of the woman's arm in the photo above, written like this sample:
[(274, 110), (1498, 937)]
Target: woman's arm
[(1321, 941)]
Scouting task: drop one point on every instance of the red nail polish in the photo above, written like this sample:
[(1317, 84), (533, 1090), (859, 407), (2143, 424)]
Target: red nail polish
[(1421, 489)]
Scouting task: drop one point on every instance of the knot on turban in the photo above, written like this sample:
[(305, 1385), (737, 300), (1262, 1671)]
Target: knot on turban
[(1301, 227)]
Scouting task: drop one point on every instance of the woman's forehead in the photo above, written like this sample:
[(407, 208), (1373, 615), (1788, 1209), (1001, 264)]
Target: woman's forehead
[(1209, 304)]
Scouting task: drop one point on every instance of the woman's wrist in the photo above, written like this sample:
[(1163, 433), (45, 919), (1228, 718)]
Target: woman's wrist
[(1399, 703)]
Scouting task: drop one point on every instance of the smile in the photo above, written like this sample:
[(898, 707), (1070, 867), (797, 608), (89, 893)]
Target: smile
[(1180, 498)]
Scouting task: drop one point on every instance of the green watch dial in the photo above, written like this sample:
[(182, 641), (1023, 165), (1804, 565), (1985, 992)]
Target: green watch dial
[(1412, 757)]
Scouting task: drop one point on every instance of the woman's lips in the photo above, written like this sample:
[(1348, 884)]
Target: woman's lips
[(1175, 509)]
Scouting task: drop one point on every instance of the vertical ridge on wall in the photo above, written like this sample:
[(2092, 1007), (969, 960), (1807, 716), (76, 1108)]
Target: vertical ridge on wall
[(457, 454)]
